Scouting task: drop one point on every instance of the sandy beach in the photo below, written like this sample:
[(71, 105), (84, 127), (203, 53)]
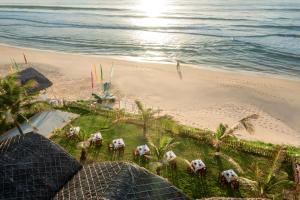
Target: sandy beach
[(203, 98)]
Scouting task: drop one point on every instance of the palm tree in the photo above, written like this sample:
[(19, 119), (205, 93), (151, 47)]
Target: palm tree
[(244, 123), (147, 116), (270, 185), (14, 101), (164, 144), (224, 130)]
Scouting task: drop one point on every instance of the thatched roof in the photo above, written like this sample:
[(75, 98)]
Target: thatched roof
[(32, 74), (32, 167), (118, 180)]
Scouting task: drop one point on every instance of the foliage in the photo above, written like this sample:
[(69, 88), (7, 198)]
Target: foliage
[(147, 115), (266, 185), (165, 144), (244, 123), (193, 145), (15, 101)]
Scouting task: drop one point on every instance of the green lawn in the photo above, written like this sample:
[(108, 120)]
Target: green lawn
[(187, 148)]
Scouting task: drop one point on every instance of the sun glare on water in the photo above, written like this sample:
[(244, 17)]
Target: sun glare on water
[(152, 8), (152, 11)]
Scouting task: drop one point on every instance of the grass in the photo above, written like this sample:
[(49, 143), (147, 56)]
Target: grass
[(188, 148)]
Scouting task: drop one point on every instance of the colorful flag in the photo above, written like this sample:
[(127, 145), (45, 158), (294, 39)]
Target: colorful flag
[(111, 72), (101, 74), (96, 78), (92, 79)]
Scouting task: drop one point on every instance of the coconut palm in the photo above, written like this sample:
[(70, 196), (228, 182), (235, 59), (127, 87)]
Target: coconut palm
[(269, 185), (14, 101), (224, 131), (244, 123), (147, 115)]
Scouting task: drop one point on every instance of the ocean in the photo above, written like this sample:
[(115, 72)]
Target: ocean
[(258, 35)]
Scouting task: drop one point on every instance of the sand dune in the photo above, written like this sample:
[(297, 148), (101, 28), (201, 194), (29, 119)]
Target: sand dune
[(203, 98)]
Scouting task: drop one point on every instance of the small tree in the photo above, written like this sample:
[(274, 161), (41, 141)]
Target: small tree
[(269, 185), (164, 144), (147, 115), (14, 101), (223, 131)]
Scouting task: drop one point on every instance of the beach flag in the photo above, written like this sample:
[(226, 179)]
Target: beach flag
[(111, 72), (96, 78), (101, 74), (25, 59), (92, 79)]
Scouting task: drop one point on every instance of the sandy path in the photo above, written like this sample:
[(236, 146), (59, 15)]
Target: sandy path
[(203, 98)]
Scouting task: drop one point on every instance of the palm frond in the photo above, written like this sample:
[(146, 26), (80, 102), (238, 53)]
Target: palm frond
[(232, 161), (250, 117), (253, 185), (139, 106), (182, 160), (155, 165), (220, 131), (244, 123), (83, 145), (247, 124), (157, 153)]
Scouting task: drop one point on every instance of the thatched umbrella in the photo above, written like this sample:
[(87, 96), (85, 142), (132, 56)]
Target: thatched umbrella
[(31, 74)]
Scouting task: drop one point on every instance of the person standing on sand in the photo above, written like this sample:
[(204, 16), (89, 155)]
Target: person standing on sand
[(179, 69)]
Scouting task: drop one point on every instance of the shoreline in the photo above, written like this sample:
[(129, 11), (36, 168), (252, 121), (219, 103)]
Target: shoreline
[(203, 98), (144, 60)]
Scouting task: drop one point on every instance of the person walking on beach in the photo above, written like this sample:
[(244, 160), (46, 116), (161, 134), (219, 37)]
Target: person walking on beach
[(179, 69)]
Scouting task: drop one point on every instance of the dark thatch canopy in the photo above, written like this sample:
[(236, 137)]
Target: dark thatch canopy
[(32, 167), (118, 180), (29, 74)]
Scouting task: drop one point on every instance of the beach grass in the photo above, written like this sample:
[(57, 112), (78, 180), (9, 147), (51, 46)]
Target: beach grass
[(188, 148)]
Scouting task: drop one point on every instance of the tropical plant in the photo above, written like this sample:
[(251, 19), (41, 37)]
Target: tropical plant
[(15, 101), (269, 185), (147, 115), (224, 131), (163, 145), (244, 123), (83, 146)]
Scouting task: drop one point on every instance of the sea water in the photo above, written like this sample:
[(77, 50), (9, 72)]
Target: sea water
[(258, 35)]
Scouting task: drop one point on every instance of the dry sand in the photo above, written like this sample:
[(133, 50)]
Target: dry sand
[(203, 98)]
